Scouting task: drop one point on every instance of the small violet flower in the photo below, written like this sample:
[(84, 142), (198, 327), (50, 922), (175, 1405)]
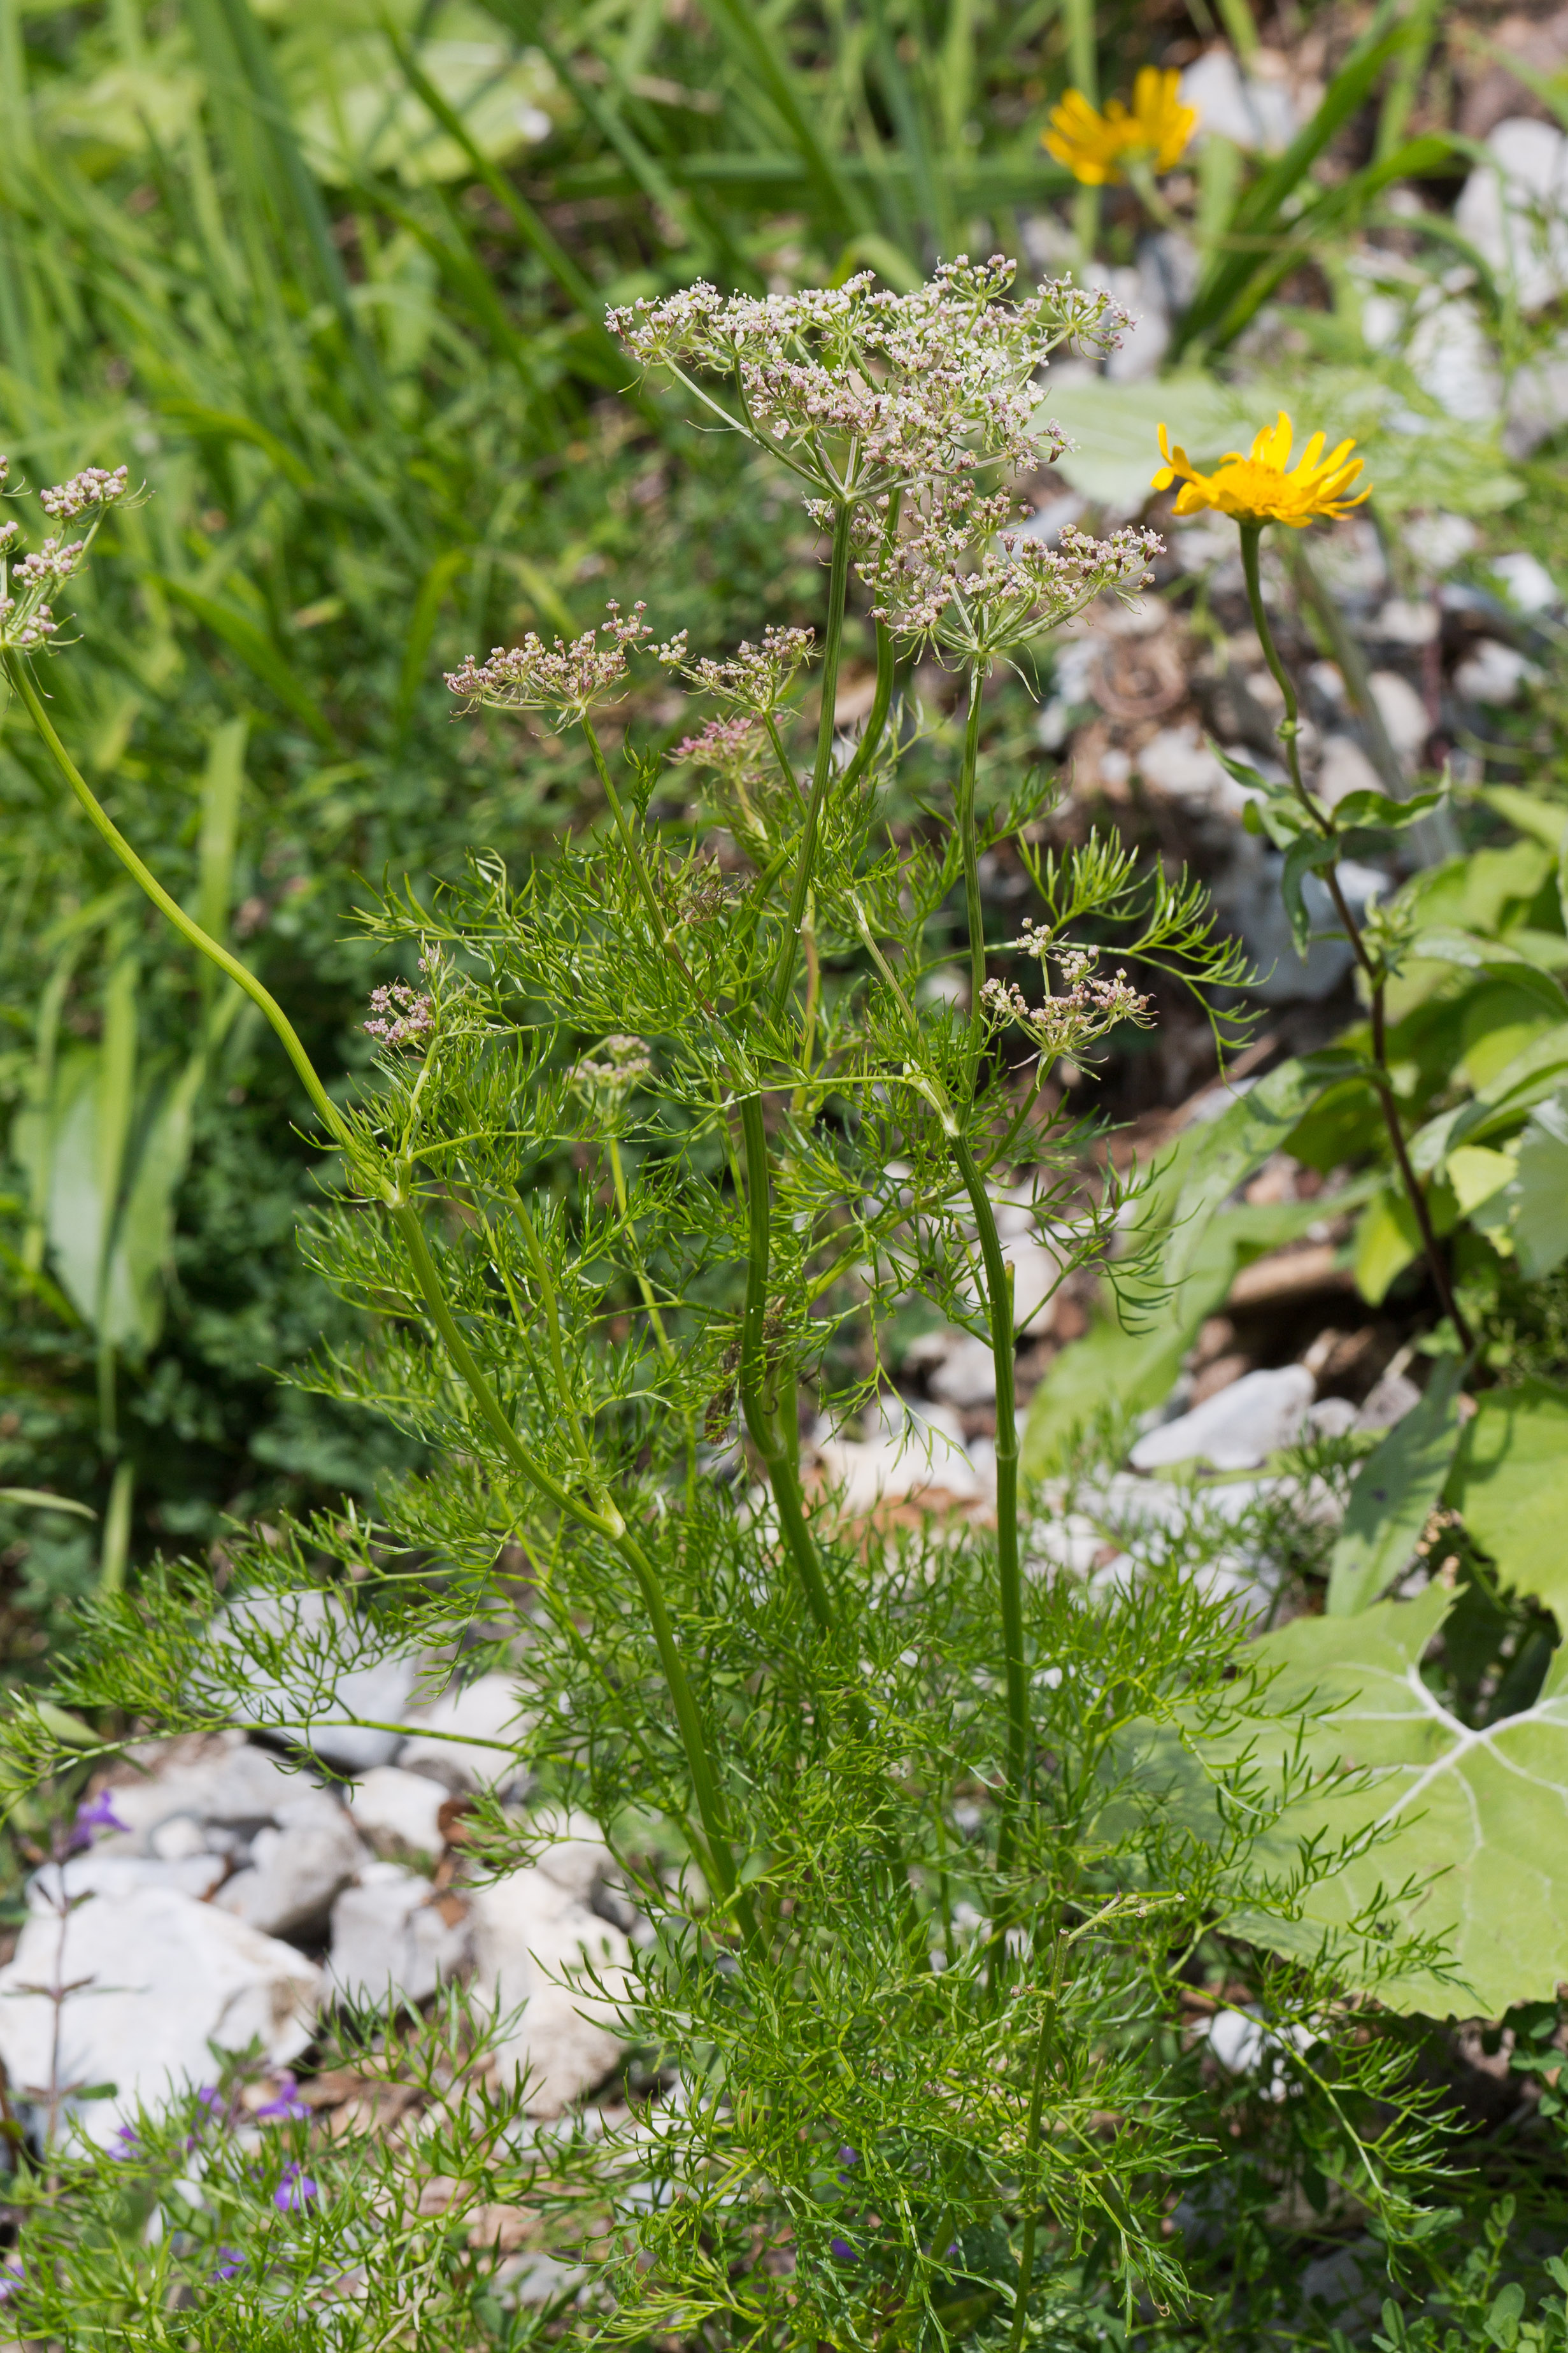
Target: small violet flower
[(98, 1815), (285, 2106), (295, 2191), (228, 2263)]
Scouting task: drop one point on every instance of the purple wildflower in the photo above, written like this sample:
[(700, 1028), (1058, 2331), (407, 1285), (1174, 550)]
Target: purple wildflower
[(130, 2140), (12, 2277), (285, 2106), (228, 2263), (843, 2250), (99, 1815), (295, 2189)]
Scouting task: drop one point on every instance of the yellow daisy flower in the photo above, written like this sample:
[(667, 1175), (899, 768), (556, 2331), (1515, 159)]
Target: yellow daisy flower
[(1094, 146), (1264, 487)]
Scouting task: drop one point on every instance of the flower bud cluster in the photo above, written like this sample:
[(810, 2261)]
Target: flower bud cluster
[(26, 621), (728, 745), (1089, 1007), (95, 486), (862, 389), (755, 678), (401, 1016), (568, 680), (626, 1062)]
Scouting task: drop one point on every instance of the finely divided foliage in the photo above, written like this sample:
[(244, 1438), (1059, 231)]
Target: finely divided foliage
[(919, 1902)]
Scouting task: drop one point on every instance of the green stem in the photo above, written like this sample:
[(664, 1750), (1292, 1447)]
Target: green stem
[(833, 647), (327, 1111), (1377, 979), (969, 844), (999, 1306), (405, 1217), (1031, 2143), (761, 1417)]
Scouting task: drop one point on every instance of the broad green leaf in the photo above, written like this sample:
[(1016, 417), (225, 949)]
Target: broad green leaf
[(1114, 429), (1498, 1020), (1226, 1153), (1540, 820), (1379, 812), (132, 1316), (1442, 945), (1394, 1494), (1537, 1195), (1477, 1173), (1472, 1826), (372, 123), (1510, 1482), (1309, 853), (1387, 1240), (77, 1214)]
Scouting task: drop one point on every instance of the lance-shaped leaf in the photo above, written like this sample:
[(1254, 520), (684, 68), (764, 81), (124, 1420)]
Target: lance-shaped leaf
[(1394, 1494)]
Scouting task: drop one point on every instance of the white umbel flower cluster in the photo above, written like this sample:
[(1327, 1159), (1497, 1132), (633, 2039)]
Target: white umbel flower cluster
[(863, 391), (1086, 1008)]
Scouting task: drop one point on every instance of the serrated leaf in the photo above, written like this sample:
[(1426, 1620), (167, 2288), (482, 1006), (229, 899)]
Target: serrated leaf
[(1394, 1494), (1470, 1822), (1510, 1482)]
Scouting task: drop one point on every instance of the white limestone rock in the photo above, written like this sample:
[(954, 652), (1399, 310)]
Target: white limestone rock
[(295, 1870), (165, 1975), (118, 1874), (225, 1781), (404, 1807), (1514, 209), (966, 1375), (391, 1937), (1495, 673), (480, 1712), (528, 1931), (1235, 1429)]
